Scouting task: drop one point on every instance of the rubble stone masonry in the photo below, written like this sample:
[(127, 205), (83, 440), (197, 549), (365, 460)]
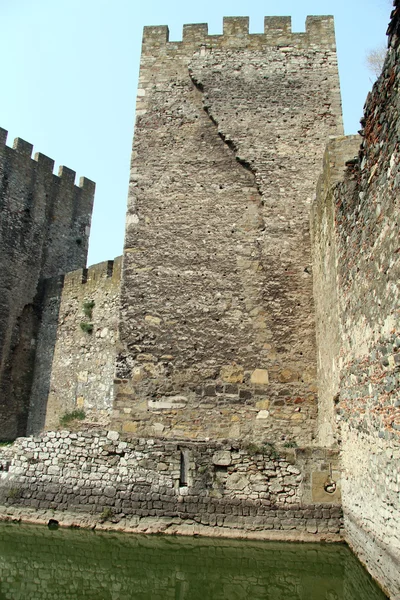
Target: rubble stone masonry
[(82, 374), (217, 321), (227, 485), (326, 295), (44, 232), (362, 365)]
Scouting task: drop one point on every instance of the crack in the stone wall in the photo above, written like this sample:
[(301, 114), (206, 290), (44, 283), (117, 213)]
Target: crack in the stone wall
[(251, 278), (229, 142)]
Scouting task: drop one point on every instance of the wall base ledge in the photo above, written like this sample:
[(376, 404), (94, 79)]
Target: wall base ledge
[(375, 556), (156, 525)]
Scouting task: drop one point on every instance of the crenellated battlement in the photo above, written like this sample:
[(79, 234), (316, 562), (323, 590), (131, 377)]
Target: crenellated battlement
[(277, 32), (21, 147), (93, 275), (53, 201)]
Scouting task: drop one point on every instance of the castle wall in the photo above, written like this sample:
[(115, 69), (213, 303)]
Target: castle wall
[(213, 484), (83, 364), (43, 363), (325, 279), (369, 270), (367, 407), (217, 325), (44, 227)]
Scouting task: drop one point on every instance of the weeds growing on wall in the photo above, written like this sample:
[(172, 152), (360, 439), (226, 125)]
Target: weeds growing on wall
[(266, 448), (86, 327), (87, 308), (107, 514), (74, 415), (290, 444)]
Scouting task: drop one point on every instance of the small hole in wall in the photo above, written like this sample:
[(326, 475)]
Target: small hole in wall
[(52, 524), (220, 469), (330, 486)]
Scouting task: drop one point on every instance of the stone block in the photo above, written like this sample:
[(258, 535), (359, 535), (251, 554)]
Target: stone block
[(222, 458), (129, 427), (311, 526), (168, 403), (232, 373), (259, 377), (263, 414), (263, 404), (151, 320), (231, 389), (236, 481)]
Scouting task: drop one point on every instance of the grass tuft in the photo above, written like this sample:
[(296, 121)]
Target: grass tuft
[(87, 327), (88, 307), (74, 415)]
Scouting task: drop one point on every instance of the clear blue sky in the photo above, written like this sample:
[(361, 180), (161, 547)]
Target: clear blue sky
[(69, 72)]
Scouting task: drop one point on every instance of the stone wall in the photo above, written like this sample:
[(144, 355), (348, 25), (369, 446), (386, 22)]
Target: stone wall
[(217, 322), (325, 256), (224, 485), (369, 408), (367, 403), (82, 371), (52, 290), (44, 230)]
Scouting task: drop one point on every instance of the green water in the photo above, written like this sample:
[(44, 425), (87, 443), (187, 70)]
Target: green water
[(39, 564)]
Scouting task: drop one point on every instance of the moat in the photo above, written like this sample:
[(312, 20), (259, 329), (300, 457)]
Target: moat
[(40, 564)]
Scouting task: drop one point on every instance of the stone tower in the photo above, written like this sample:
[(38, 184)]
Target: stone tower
[(44, 233), (217, 322)]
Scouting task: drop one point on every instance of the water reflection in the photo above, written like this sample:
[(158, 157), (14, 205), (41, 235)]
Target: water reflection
[(39, 564)]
